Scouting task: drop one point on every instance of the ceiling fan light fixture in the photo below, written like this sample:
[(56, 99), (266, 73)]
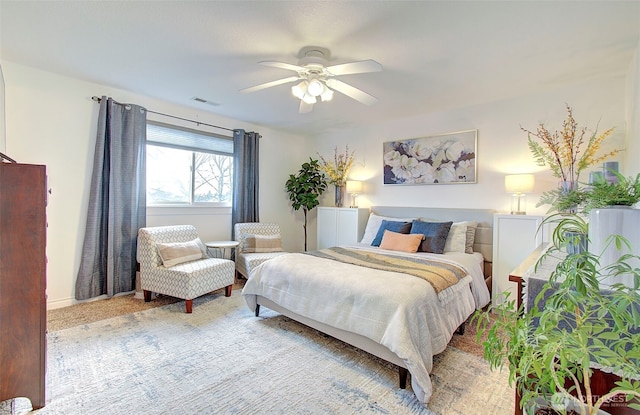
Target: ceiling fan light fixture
[(299, 90), (327, 95), (315, 87), (309, 99)]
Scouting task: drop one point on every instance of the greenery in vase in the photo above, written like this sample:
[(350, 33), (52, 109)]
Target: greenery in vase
[(305, 188), (338, 169), (563, 201), (550, 348), (568, 151), (625, 192)]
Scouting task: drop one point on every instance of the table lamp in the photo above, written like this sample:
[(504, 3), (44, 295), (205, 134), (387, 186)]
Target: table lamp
[(354, 188), (518, 185)]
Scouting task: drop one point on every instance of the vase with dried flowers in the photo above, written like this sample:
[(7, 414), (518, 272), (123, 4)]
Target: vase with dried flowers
[(338, 171), (567, 152)]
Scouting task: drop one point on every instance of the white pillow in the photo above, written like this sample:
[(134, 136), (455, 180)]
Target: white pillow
[(179, 252), (373, 224), (457, 238)]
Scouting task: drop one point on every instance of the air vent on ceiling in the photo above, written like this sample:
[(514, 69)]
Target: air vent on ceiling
[(205, 101)]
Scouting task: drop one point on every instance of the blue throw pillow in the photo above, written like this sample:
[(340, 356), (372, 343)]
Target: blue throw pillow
[(399, 227), (435, 235)]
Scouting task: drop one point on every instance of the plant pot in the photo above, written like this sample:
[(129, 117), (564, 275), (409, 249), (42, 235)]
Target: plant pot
[(614, 220), (577, 242)]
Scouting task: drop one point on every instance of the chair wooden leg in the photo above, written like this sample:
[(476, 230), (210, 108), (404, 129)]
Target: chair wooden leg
[(147, 296), (189, 305), (227, 290)]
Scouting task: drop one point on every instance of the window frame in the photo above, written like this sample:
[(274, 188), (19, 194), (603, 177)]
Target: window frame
[(193, 149)]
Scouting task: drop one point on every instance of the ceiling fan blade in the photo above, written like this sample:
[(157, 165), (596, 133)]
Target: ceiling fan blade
[(351, 91), (283, 65), (354, 67), (270, 84), (304, 107)]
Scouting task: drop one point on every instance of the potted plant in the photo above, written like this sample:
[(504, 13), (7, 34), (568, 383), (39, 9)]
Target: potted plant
[(337, 171), (608, 205), (551, 346), (623, 192), (305, 188)]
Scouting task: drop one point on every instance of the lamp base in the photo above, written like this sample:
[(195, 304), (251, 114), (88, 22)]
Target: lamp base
[(354, 202), (518, 204)]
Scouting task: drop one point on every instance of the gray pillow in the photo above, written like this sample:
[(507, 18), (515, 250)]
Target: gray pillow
[(435, 235)]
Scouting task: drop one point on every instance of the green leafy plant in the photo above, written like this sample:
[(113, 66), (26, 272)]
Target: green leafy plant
[(563, 201), (305, 188), (626, 192), (551, 347)]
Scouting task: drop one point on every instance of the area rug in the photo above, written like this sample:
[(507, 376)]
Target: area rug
[(223, 360)]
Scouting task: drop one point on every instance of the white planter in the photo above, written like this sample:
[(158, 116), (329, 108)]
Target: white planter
[(619, 220)]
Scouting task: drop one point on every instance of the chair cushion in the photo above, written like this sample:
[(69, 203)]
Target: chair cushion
[(175, 253), (245, 262)]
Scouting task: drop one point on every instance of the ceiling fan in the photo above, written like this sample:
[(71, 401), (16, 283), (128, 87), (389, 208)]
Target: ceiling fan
[(317, 78)]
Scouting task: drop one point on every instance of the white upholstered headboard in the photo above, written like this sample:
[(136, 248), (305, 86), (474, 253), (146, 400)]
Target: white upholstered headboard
[(484, 234)]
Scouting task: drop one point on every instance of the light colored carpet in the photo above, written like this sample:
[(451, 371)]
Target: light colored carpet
[(223, 360)]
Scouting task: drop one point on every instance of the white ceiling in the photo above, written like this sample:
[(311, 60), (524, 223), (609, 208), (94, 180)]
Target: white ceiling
[(436, 55)]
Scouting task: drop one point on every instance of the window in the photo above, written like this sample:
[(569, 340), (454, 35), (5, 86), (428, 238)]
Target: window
[(188, 167)]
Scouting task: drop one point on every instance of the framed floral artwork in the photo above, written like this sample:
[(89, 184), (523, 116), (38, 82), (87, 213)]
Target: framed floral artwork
[(440, 159)]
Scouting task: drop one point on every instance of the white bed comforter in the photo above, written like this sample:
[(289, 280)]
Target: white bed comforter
[(399, 311)]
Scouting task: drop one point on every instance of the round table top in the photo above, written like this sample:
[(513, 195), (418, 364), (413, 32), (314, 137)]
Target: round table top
[(222, 244)]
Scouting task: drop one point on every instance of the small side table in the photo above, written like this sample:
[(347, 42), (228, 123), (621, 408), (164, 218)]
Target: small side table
[(222, 248)]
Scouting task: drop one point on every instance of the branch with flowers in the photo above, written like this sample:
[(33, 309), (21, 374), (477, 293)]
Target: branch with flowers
[(567, 152), (338, 169)]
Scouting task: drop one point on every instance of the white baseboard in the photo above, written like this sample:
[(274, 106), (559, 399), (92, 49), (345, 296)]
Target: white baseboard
[(66, 302)]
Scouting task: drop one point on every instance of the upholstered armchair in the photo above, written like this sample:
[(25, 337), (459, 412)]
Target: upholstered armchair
[(258, 242), (173, 261)]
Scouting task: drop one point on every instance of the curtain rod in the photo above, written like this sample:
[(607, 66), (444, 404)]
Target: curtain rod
[(98, 99)]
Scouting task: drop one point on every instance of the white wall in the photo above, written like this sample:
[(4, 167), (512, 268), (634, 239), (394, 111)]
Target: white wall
[(632, 160), (3, 142), (51, 120), (502, 146)]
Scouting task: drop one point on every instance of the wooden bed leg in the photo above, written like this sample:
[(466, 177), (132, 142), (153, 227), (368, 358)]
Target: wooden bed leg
[(257, 310), (402, 377), (460, 329)]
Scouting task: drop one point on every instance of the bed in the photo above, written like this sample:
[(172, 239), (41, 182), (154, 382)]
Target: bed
[(393, 315)]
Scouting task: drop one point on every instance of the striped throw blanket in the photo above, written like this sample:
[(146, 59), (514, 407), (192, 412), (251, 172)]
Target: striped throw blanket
[(441, 275)]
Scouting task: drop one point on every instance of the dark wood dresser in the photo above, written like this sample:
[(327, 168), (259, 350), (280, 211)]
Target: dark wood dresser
[(23, 311)]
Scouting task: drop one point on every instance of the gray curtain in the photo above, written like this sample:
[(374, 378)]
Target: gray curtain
[(117, 202), (245, 177)]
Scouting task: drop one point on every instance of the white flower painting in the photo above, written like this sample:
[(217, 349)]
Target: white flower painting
[(442, 159)]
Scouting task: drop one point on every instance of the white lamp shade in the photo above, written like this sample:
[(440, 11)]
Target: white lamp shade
[(315, 88), (354, 186), (299, 90), (327, 95), (519, 183)]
